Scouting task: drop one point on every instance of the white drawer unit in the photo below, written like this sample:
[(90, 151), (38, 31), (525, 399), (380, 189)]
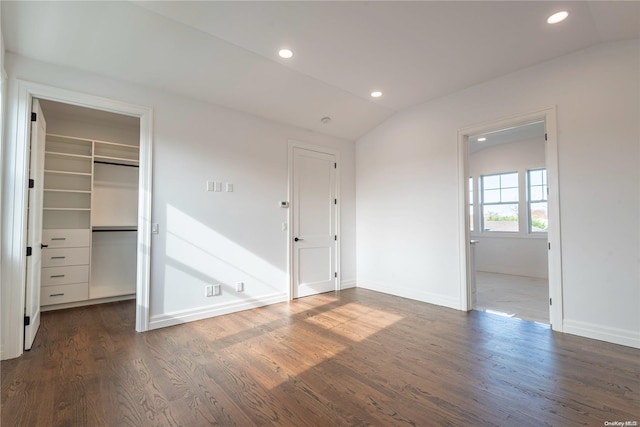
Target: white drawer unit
[(65, 256), (64, 275), (60, 294), (66, 238)]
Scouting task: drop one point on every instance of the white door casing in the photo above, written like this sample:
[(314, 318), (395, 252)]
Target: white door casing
[(34, 227), (548, 115), (314, 215), (14, 216)]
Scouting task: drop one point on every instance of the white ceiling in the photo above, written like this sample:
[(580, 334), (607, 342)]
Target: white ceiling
[(226, 52)]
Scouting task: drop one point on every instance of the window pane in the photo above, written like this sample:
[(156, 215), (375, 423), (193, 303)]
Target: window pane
[(500, 217), (510, 180), (490, 182), (491, 196), (538, 215), (509, 195), (471, 203), (535, 177), (536, 193)]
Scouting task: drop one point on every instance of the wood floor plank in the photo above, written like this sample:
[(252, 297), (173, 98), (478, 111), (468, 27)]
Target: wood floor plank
[(354, 358)]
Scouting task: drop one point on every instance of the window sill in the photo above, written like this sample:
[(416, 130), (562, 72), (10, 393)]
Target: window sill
[(509, 235)]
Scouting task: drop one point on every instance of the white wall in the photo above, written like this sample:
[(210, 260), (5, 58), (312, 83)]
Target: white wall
[(521, 253), (3, 88), (210, 237), (407, 187)]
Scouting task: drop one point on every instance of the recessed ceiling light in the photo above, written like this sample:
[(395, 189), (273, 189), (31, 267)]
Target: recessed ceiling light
[(483, 139), (376, 94), (285, 53), (557, 17)]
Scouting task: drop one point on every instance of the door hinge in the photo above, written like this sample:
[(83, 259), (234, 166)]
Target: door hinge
[(335, 237), (335, 201), (545, 136), (32, 183), (550, 301), (335, 166), (34, 117), (29, 251), (27, 320), (549, 244), (335, 274)]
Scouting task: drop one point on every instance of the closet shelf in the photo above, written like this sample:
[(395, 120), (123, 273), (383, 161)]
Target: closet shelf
[(114, 160), (59, 190), (117, 144), (66, 155), (114, 228), (66, 209), (56, 172)]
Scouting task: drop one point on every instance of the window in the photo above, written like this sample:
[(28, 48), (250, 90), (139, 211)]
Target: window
[(500, 202), (471, 221), (537, 200)]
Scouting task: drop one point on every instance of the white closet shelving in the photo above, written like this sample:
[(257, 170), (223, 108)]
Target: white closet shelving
[(89, 220)]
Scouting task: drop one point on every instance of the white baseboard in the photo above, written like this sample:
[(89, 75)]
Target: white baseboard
[(179, 317), (603, 333), (346, 284), (87, 302), (413, 294)]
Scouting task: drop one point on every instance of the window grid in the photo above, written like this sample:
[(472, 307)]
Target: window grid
[(500, 198), (537, 203)]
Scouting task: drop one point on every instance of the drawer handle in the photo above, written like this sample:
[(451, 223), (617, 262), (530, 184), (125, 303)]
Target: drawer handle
[(56, 295), (58, 238), (58, 257), (57, 275)]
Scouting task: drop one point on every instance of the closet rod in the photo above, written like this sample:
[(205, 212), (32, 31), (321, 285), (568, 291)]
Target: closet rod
[(114, 163), (115, 229)]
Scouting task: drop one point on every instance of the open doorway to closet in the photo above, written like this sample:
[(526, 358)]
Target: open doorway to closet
[(83, 208), (511, 218)]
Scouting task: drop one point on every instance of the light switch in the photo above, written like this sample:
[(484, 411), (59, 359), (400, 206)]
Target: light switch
[(210, 186), (229, 187), (155, 228), (218, 186)]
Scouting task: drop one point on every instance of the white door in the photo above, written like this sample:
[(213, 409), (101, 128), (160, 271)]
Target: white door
[(34, 229), (314, 222)]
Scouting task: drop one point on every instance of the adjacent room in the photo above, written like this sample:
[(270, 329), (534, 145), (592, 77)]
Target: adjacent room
[(319, 213)]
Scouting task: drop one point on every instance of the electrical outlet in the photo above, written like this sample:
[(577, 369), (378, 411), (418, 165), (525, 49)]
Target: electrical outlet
[(217, 290), (240, 286), (208, 291)]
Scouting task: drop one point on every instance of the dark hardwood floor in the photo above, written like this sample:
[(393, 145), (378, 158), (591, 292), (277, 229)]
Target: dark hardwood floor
[(357, 358)]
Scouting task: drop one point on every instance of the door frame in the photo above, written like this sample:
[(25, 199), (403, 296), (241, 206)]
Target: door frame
[(548, 115), (320, 149), (15, 219)]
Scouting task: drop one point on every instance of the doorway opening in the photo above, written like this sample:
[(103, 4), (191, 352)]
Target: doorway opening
[(16, 258), (511, 218)]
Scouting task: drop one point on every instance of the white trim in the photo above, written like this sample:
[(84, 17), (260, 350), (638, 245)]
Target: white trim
[(3, 118), (553, 234), (185, 316), (13, 256), (320, 149), (346, 284), (86, 302), (412, 293), (603, 333)]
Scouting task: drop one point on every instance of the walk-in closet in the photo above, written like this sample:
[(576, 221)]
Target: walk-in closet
[(90, 206)]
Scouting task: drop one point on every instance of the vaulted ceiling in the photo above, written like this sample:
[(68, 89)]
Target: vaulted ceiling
[(225, 53)]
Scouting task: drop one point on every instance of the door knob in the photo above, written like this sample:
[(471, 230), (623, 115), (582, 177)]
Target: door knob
[(42, 246), (297, 239)]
